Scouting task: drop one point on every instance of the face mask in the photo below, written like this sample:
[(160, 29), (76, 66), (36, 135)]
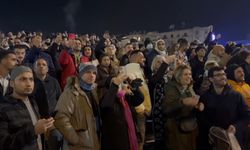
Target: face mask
[(149, 46)]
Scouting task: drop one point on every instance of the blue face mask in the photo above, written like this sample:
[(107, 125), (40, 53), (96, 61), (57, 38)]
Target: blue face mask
[(85, 86)]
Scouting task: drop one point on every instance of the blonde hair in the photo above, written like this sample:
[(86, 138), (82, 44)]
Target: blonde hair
[(157, 58), (179, 71)]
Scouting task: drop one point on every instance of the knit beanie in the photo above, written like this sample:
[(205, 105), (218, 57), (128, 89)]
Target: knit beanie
[(19, 70), (83, 68)]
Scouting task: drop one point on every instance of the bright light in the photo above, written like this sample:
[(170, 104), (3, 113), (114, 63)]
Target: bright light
[(212, 37)]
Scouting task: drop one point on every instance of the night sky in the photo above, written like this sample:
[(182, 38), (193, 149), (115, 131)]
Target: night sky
[(231, 19)]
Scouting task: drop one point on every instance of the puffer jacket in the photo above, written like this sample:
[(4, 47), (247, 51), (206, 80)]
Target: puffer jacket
[(16, 128), (75, 118)]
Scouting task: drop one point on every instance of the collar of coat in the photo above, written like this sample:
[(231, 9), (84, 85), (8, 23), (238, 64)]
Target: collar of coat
[(9, 99), (227, 89), (73, 84), (180, 88)]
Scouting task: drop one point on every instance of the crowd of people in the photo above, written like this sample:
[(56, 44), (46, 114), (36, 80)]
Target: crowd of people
[(69, 91)]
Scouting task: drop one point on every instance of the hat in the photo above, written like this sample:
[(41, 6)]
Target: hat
[(86, 67), (71, 36), (19, 70)]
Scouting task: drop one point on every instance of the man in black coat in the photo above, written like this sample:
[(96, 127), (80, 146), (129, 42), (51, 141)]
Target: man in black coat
[(47, 91), (20, 126), (197, 64), (224, 108)]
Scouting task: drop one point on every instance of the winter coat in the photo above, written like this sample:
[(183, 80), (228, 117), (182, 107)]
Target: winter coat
[(197, 72), (67, 63), (175, 109), (243, 88), (222, 110), (16, 128), (75, 118), (114, 127)]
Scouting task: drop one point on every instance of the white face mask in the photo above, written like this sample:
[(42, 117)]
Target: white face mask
[(150, 46)]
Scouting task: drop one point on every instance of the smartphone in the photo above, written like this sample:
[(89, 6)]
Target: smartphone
[(53, 114)]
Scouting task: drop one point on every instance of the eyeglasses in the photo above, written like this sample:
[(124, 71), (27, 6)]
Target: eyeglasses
[(219, 75)]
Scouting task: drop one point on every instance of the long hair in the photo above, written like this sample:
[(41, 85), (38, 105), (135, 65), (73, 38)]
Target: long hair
[(92, 57)]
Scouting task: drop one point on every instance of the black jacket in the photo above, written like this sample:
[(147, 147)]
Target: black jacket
[(16, 128), (228, 108), (53, 92), (197, 72), (39, 94), (157, 78), (114, 126)]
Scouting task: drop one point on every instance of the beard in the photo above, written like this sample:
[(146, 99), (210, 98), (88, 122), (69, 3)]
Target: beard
[(24, 93), (221, 84), (241, 79)]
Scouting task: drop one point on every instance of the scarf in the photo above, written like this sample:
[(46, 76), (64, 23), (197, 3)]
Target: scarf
[(129, 120), (160, 52), (85, 86)]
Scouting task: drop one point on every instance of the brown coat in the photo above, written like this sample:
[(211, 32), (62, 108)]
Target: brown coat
[(75, 118), (173, 108)]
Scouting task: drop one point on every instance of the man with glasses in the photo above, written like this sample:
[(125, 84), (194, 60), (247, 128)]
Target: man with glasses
[(224, 108)]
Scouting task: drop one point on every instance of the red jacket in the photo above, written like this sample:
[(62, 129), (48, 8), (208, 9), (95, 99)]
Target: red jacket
[(68, 66)]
